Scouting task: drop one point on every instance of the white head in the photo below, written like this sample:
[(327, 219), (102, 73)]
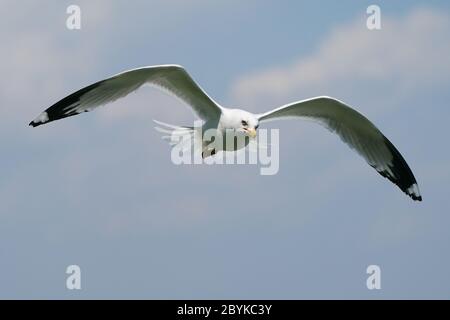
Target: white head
[(241, 121)]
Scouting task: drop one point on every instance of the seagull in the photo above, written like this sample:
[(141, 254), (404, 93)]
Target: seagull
[(352, 127)]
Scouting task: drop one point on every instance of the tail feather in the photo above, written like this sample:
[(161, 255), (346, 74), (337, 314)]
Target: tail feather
[(175, 135)]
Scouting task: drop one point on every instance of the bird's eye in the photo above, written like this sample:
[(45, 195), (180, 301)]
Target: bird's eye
[(244, 123)]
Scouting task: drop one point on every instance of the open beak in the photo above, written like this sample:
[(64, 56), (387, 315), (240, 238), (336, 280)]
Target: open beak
[(251, 132)]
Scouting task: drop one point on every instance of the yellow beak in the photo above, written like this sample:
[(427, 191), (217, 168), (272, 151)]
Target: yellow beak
[(251, 132)]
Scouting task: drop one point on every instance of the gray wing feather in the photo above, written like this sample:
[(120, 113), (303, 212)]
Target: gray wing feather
[(357, 132), (171, 78)]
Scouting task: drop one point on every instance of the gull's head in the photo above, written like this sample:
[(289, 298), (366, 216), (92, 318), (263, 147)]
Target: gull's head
[(243, 122)]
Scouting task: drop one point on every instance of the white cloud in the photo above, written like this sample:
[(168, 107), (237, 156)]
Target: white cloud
[(408, 53)]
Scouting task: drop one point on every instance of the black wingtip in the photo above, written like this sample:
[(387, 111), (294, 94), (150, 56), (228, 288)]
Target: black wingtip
[(64, 108), (35, 123), (400, 173)]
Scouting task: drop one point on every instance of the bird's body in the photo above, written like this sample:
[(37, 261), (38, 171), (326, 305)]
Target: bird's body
[(352, 127)]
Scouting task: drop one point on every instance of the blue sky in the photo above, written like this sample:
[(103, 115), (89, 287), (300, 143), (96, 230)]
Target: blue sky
[(100, 191)]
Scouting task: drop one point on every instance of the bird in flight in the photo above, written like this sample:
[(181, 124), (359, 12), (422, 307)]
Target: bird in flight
[(351, 126)]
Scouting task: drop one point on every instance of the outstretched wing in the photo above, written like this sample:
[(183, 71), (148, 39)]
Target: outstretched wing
[(172, 78), (356, 131)]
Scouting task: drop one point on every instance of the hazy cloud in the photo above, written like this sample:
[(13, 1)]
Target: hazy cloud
[(407, 53)]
